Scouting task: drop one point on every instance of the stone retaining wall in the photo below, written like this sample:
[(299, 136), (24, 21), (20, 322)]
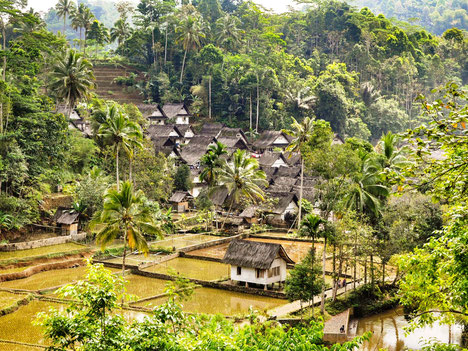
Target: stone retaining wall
[(210, 243), (201, 258), (216, 285), (43, 242)]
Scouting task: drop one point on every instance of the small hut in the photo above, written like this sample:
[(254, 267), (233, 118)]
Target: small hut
[(67, 220), (180, 201), (257, 263)]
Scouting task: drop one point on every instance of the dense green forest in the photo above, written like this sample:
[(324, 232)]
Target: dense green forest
[(435, 16), (246, 67)]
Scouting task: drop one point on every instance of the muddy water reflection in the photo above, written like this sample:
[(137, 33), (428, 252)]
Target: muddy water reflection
[(388, 332), (191, 268), (213, 301)]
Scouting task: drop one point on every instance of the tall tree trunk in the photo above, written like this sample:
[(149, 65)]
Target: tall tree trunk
[(299, 215), (209, 97), (4, 48), (64, 23), (123, 261), (229, 213), (365, 270), (324, 260), (335, 279), (383, 273), (165, 50), (372, 269), (84, 42), (183, 66), (117, 167), (258, 105), (250, 111), (152, 46)]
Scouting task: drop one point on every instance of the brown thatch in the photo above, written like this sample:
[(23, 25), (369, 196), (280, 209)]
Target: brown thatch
[(233, 143), (191, 154), (268, 158), (284, 199), (212, 129), (291, 172), (152, 111), (267, 139), (275, 189), (179, 196), (184, 129), (202, 141), (292, 158), (253, 254), (64, 216), (249, 212), (176, 109), (164, 131), (285, 181), (219, 196), (234, 221)]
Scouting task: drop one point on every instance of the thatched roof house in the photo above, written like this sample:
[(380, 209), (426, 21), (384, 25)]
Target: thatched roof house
[(67, 220), (178, 112), (270, 139), (180, 201), (219, 196), (187, 131), (233, 143), (153, 113), (195, 149), (291, 172), (257, 262), (292, 158), (212, 129), (165, 145), (169, 130), (272, 159)]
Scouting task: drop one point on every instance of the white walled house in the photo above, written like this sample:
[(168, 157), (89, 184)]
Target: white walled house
[(178, 112), (257, 263)]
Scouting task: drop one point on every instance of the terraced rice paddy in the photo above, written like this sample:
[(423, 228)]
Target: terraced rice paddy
[(7, 299), (41, 251), (192, 268), (144, 287), (18, 326), (213, 301), (46, 279), (183, 240), (136, 260), (278, 234)]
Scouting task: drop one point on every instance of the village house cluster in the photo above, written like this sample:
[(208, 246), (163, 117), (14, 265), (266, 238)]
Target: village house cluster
[(173, 134)]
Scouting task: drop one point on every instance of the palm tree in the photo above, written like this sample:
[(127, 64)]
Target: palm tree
[(65, 8), (242, 178), (211, 162), (86, 20), (71, 79), (309, 227), (393, 157), (120, 32), (190, 34), (122, 133), (125, 214), (301, 133), (77, 18), (228, 32), (365, 193)]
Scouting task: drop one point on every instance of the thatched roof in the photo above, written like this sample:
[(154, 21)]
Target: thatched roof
[(308, 182), (292, 158), (178, 196), (164, 131), (175, 109), (234, 221), (212, 129), (233, 142), (202, 141), (184, 128), (253, 254), (249, 212), (268, 158), (275, 189), (191, 154), (285, 181), (219, 196), (292, 172), (152, 111), (284, 199), (64, 216), (268, 138)]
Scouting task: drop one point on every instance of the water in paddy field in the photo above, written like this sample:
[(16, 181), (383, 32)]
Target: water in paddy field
[(184, 240), (144, 287), (216, 301), (40, 251), (388, 332), (192, 268)]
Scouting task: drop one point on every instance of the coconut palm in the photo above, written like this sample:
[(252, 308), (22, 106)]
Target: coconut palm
[(125, 215), (365, 192), (242, 178), (76, 16), (211, 162), (228, 32), (65, 8), (301, 134), (71, 79), (120, 132), (309, 227), (86, 20), (393, 157), (190, 33), (120, 32)]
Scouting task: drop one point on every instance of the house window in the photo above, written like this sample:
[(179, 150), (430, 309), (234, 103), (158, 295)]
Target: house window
[(260, 273), (239, 270), (273, 272)]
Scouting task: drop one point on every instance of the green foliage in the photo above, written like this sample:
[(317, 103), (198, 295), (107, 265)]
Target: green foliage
[(305, 280), (182, 180)]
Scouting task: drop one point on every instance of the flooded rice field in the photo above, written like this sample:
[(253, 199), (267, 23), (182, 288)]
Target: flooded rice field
[(40, 251), (136, 259), (179, 241), (17, 326), (278, 234), (213, 301), (143, 287), (296, 250), (388, 332), (46, 279), (192, 268)]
